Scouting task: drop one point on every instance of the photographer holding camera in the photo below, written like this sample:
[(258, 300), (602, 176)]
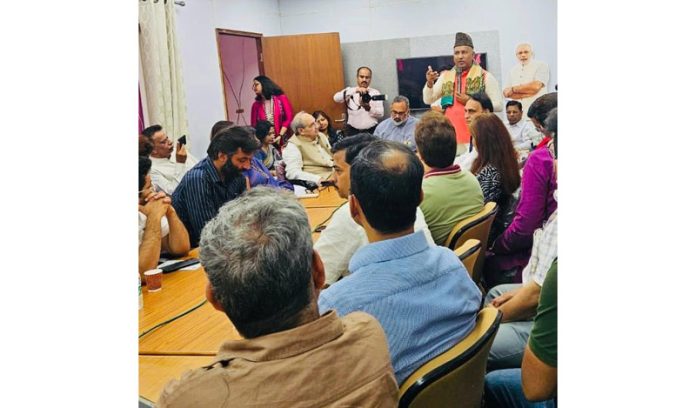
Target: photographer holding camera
[(364, 104)]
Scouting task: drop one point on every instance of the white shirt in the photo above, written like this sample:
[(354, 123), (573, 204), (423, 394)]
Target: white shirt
[(293, 161), (343, 236), (166, 174), (523, 134), (544, 251), (142, 220), (360, 118), (533, 71), (466, 159)]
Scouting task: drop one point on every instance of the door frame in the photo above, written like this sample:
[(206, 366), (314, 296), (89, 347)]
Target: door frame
[(224, 31)]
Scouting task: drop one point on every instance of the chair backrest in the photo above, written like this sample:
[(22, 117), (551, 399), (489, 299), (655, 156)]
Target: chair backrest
[(477, 226), (454, 378), (468, 253)]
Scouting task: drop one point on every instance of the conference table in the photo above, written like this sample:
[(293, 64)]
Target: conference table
[(179, 330)]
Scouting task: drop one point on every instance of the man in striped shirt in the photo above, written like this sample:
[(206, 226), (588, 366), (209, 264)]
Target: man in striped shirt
[(215, 180)]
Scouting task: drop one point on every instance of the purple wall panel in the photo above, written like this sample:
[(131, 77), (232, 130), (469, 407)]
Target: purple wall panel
[(239, 58)]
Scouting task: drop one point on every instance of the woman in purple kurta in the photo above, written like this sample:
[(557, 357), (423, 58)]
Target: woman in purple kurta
[(510, 252)]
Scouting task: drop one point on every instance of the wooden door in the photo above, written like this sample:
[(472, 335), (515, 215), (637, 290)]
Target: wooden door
[(239, 55), (309, 68)]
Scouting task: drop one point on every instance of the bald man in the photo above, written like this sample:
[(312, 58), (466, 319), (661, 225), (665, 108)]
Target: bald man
[(528, 79)]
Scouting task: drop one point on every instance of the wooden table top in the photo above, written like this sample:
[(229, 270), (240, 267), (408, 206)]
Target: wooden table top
[(156, 371), (181, 290), (328, 197), (199, 333)]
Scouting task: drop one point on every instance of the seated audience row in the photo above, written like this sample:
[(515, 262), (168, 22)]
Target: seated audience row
[(343, 236), (508, 385), (510, 252)]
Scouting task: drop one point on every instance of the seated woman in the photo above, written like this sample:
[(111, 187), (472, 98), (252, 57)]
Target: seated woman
[(510, 252), (267, 154), (495, 167), (325, 127), (160, 229)]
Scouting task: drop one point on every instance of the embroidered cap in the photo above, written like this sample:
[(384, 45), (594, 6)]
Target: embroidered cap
[(463, 39)]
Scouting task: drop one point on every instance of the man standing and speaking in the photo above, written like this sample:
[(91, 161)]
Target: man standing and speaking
[(456, 86), (363, 110)]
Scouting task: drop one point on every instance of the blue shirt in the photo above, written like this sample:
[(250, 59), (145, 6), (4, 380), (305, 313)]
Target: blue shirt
[(422, 296), (260, 176), (388, 130), (200, 195)]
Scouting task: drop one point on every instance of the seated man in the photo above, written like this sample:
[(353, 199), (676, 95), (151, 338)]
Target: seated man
[(159, 228), (538, 378), (401, 125), (421, 294), (307, 155), (343, 236), (450, 194), (477, 104), (522, 132), (215, 180), (166, 175), (518, 302), (263, 274), (258, 174)]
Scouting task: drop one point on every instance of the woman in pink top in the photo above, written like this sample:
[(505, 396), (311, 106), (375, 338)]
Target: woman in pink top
[(272, 105)]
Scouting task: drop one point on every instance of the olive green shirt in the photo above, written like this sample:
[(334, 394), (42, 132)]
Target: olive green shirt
[(449, 196), (543, 340)]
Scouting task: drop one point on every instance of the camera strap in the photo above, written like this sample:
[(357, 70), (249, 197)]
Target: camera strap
[(347, 99)]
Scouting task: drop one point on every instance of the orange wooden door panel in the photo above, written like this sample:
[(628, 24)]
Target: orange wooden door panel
[(309, 68)]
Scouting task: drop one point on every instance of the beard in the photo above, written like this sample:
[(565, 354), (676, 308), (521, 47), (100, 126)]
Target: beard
[(399, 122), (229, 171)]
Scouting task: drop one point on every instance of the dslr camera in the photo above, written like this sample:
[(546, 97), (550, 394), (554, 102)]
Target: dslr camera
[(366, 97)]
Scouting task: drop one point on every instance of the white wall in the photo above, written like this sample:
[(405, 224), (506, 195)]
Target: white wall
[(196, 24), (516, 21)]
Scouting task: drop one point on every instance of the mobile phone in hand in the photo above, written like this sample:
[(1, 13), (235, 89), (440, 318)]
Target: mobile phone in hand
[(182, 140)]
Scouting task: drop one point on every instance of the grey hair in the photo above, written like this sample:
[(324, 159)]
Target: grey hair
[(257, 253), (401, 98), (297, 122)]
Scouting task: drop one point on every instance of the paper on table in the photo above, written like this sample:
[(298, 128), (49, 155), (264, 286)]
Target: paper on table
[(301, 192)]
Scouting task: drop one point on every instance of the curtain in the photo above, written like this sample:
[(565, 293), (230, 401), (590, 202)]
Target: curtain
[(163, 83)]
